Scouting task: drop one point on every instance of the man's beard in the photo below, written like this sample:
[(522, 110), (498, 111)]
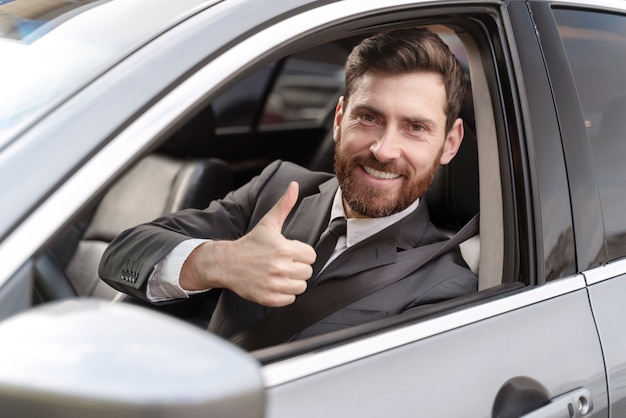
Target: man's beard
[(373, 202)]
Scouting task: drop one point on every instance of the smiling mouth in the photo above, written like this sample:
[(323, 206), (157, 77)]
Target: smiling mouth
[(380, 174)]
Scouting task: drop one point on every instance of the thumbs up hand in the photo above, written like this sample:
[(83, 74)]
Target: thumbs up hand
[(262, 266)]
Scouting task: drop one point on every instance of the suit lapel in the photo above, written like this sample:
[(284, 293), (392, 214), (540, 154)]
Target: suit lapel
[(414, 226), (378, 250), (306, 224), (382, 248)]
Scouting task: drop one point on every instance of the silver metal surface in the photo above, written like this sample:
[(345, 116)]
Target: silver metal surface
[(98, 359), (608, 271), (609, 309)]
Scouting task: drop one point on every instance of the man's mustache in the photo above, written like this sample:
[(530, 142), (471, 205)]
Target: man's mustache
[(387, 167)]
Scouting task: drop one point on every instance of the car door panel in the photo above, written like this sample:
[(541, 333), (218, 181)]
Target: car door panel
[(551, 342), (609, 309)]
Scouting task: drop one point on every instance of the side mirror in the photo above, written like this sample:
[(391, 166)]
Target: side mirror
[(91, 358)]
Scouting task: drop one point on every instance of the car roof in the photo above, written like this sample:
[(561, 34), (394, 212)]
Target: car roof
[(74, 42)]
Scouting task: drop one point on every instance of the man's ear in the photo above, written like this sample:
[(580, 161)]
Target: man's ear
[(338, 118), (452, 143)]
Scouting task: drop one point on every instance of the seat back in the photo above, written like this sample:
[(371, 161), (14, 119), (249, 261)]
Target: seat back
[(155, 186), (453, 197)]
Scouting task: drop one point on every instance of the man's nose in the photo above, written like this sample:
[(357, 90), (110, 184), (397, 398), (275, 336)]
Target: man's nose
[(387, 147)]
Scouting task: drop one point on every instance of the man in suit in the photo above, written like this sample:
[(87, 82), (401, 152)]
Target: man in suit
[(395, 124)]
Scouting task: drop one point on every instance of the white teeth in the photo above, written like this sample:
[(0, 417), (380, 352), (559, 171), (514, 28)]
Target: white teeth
[(380, 174)]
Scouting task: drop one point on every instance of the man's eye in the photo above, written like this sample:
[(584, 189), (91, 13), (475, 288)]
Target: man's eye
[(417, 128), (367, 117)]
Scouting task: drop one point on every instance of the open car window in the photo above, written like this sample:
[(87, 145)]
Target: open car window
[(282, 110)]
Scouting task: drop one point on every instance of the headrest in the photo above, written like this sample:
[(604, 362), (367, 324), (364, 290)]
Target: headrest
[(453, 197), (194, 138), (155, 186)]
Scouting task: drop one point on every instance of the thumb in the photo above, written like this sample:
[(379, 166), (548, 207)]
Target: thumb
[(277, 215)]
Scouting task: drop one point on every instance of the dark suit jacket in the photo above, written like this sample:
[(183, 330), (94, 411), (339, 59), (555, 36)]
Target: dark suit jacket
[(128, 261)]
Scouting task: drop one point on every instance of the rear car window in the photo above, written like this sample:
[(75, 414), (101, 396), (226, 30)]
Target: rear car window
[(596, 47)]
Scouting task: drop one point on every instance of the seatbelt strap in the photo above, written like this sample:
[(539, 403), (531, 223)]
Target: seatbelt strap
[(281, 324)]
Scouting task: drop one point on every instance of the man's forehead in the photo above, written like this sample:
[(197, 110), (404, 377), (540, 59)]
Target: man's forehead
[(366, 81), (378, 89)]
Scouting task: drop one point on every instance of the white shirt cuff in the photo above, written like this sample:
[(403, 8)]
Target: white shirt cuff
[(163, 283)]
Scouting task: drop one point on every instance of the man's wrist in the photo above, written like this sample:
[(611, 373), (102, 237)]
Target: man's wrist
[(163, 283), (203, 268)]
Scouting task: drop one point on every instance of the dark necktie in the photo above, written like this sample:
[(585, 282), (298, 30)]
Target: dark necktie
[(327, 243)]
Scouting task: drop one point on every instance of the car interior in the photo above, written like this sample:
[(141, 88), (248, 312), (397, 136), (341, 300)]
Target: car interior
[(283, 110)]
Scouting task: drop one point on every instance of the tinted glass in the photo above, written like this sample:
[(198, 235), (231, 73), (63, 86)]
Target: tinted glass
[(26, 21), (239, 105), (308, 86), (596, 48)]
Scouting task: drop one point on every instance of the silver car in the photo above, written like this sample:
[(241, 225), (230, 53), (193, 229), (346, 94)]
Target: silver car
[(114, 112)]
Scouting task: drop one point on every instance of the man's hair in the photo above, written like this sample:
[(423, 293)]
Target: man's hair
[(404, 51)]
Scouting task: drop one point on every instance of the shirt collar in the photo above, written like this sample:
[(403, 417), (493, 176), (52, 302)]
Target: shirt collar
[(362, 228)]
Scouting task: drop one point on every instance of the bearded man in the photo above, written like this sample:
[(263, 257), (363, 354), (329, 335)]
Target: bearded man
[(395, 124)]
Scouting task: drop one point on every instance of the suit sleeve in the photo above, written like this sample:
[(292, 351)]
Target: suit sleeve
[(129, 260)]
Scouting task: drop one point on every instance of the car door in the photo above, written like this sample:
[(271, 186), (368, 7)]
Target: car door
[(531, 349)]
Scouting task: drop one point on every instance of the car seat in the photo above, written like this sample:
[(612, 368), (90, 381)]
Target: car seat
[(166, 181), (453, 196)]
